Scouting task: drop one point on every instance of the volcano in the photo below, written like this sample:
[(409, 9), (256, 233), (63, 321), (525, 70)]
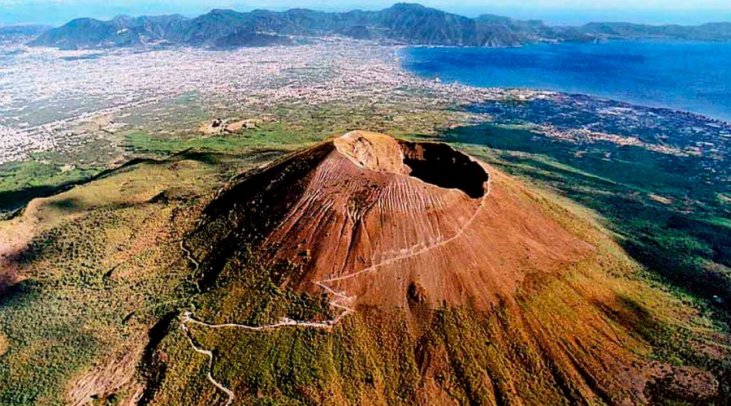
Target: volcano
[(483, 290), (380, 218)]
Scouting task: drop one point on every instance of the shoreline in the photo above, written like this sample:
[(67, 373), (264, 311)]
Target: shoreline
[(312, 75), (407, 61)]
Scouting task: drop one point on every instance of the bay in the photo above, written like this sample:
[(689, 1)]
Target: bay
[(687, 76)]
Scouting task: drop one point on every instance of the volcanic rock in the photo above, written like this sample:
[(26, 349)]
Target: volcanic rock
[(377, 214), (484, 291)]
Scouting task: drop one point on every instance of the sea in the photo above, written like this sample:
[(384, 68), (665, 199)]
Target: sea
[(680, 75)]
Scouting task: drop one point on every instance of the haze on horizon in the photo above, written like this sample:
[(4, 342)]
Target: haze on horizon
[(557, 12)]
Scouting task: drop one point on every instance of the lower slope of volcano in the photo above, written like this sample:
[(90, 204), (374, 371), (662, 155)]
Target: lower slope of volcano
[(378, 271)]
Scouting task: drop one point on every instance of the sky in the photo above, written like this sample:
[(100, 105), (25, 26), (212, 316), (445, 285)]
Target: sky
[(561, 12)]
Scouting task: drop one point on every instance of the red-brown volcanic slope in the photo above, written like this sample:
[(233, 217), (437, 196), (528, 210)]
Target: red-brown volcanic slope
[(372, 227), (502, 290)]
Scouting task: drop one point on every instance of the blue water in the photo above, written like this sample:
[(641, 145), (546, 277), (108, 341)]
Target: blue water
[(689, 76)]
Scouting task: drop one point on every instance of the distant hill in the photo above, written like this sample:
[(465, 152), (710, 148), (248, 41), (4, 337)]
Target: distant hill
[(118, 32), (410, 24), (20, 31), (705, 32)]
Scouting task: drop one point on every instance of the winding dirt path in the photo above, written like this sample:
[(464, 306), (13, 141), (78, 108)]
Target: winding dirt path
[(340, 300)]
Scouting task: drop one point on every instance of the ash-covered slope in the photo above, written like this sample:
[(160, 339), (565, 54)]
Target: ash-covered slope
[(481, 290), (372, 216)]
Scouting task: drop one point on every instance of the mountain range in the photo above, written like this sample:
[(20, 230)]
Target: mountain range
[(410, 24)]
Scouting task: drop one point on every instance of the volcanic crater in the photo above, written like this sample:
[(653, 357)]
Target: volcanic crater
[(495, 293), (370, 215)]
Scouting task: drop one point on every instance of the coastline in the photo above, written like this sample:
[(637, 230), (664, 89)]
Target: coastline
[(313, 75), (443, 67)]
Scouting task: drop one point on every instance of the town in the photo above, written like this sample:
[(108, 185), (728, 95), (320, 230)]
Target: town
[(53, 100)]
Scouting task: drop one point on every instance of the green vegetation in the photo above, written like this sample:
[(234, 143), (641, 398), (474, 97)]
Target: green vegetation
[(268, 136), (102, 252), (22, 181)]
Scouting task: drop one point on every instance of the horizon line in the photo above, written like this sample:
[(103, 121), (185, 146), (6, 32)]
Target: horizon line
[(325, 10)]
